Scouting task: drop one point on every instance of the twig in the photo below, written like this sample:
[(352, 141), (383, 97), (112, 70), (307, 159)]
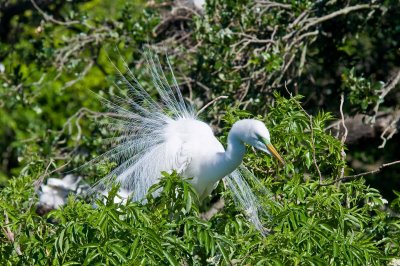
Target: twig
[(385, 90), (391, 85), (344, 136), (332, 15), (361, 174), (273, 4), (315, 21), (299, 19), (312, 135), (393, 127), (78, 115), (188, 83), (246, 91), (333, 125), (313, 147), (39, 182), (284, 68), (210, 103), (9, 234), (80, 76), (51, 18), (77, 43)]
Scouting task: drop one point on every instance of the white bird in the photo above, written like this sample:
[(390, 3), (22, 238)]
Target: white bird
[(153, 137), (54, 194)]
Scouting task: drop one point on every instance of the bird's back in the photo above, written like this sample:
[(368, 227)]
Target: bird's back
[(195, 148), (192, 141)]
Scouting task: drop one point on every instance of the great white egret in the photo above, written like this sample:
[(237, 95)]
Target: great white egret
[(54, 194), (165, 135)]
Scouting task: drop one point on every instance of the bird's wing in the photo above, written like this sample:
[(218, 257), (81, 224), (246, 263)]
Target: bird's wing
[(145, 171), (239, 183)]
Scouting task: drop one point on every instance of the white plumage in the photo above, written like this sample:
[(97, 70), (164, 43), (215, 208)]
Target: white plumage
[(166, 135)]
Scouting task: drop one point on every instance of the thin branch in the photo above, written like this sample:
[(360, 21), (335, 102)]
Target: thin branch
[(273, 4), (391, 85), (39, 182), (361, 174), (80, 76), (51, 18), (393, 131), (340, 12), (385, 90), (312, 135), (9, 234), (210, 103), (385, 126), (313, 147), (344, 136), (315, 21), (300, 19), (77, 43)]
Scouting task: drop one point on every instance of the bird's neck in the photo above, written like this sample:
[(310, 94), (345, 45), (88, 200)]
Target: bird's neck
[(233, 156), (235, 151)]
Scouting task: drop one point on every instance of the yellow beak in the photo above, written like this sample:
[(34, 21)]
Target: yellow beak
[(273, 151)]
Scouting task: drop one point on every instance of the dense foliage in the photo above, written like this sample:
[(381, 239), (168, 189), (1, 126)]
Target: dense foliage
[(343, 57)]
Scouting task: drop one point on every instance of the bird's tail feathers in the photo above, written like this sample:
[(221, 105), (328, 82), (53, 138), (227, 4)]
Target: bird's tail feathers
[(137, 123)]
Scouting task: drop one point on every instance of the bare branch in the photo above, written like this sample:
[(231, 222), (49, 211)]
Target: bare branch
[(361, 174), (385, 90), (39, 182), (51, 18), (392, 129), (313, 147), (344, 136), (210, 103), (391, 85), (359, 129), (270, 4), (344, 11), (9, 234)]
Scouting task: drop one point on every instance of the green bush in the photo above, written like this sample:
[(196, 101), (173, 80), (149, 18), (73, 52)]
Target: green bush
[(310, 222), (259, 54)]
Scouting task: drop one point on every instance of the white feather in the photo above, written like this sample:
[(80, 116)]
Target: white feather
[(165, 135)]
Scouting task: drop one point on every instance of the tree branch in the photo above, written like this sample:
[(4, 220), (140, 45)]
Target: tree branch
[(361, 174), (210, 103), (385, 90), (344, 11), (51, 18), (386, 122), (344, 136)]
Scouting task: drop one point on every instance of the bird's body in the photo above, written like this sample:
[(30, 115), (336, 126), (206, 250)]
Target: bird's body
[(154, 137), (198, 150)]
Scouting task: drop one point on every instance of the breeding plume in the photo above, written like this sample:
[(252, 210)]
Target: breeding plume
[(165, 135)]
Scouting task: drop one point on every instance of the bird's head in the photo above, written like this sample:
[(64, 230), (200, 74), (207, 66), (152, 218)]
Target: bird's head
[(256, 134)]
